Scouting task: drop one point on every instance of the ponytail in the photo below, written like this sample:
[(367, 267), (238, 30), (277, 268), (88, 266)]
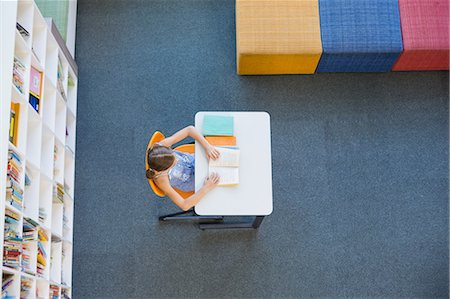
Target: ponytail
[(150, 174)]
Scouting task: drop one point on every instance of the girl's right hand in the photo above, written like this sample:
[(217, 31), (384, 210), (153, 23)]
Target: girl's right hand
[(211, 181)]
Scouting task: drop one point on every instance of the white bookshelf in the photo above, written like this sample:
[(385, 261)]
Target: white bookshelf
[(45, 145)]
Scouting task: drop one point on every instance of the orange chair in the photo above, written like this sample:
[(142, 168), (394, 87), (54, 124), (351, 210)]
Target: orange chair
[(187, 148)]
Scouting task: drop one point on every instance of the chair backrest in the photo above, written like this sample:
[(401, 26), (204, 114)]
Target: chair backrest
[(187, 148)]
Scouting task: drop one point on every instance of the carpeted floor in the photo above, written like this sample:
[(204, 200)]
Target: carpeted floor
[(360, 167)]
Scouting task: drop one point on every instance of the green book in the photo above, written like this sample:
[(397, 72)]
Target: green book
[(214, 125)]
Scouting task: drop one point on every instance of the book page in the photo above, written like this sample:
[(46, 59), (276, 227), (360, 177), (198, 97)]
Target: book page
[(228, 158), (228, 175)]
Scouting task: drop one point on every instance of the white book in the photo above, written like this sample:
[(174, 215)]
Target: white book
[(227, 166)]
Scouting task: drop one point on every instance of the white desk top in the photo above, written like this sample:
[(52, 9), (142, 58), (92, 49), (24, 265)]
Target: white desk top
[(253, 195)]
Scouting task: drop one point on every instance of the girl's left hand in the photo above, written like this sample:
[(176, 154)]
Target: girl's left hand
[(212, 153)]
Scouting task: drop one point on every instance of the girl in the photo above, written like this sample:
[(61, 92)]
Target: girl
[(170, 168)]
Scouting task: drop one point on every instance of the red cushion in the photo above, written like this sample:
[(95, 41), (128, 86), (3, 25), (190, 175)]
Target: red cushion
[(425, 31)]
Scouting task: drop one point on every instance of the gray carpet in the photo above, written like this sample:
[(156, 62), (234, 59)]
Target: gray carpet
[(360, 167)]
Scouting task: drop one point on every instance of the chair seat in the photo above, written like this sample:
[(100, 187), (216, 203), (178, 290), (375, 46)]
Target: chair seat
[(277, 37)]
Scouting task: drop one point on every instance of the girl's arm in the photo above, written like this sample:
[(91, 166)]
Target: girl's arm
[(186, 204), (191, 131)]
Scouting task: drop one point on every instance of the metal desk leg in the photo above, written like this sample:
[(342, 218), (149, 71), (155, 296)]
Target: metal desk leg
[(257, 222), (224, 225)]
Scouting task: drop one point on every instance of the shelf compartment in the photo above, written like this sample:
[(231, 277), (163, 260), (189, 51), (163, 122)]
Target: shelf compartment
[(47, 152), (20, 76), (48, 106), (34, 138), (68, 219), (45, 202), (20, 125), (10, 284), (51, 59), (58, 157), (72, 86), (55, 261), (69, 172), (70, 131), (25, 15), (31, 195), (43, 253), (42, 289), (27, 287), (57, 219), (29, 257), (60, 119), (12, 246), (39, 39), (66, 264)]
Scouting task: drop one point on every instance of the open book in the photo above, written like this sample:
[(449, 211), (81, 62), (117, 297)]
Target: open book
[(227, 166)]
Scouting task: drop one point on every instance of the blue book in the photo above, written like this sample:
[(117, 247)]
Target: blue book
[(215, 125)]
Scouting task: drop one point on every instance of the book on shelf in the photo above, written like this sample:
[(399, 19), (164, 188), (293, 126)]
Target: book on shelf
[(14, 191), (14, 123), (41, 255), (54, 292), (58, 193), (61, 77), (22, 30), (29, 232), (42, 215), (65, 294), (19, 74), (25, 287), (227, 166), (35, 88), (7, 281), (26, 258), (217, 125)]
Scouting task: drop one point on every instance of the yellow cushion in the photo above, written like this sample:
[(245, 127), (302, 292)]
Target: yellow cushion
[(277, 36)]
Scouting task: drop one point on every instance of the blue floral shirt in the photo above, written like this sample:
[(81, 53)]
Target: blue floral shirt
[(182, 175)]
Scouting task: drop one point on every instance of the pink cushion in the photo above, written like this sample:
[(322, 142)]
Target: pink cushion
[(425, 30)]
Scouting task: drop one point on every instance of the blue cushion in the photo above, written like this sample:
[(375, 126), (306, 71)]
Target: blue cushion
[(359, 35)]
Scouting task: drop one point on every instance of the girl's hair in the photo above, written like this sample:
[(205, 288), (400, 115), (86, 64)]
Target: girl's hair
[(159, 158)]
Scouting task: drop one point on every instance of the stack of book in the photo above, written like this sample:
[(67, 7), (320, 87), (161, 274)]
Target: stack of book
[(26, 258), (54, 292), (18, 74), (29, 229), (12, 247), (58, 193), (14, 193), (28, 235), (61, 78), (25, 287), (6, 282), (219, 131), (42, 255)]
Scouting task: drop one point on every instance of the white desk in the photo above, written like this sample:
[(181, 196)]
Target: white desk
[(253, 195)]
